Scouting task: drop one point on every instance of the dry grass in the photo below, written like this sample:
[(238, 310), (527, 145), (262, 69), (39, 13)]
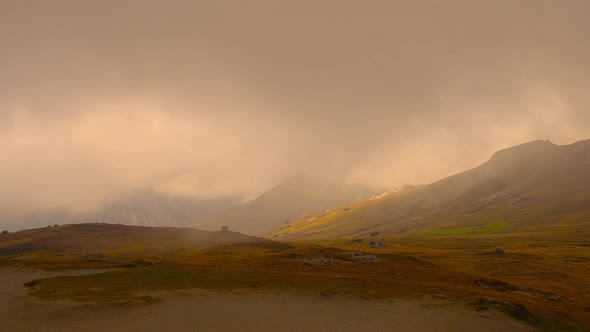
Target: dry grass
[(544, 281)]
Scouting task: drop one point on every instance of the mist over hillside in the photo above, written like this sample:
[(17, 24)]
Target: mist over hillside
[(293, 197), (151, 208), (145, 207), (534, 187)]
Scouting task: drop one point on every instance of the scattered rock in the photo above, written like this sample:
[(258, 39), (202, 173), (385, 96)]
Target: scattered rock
[(374, 244), (495, 252), (361, 257), (320, 260)]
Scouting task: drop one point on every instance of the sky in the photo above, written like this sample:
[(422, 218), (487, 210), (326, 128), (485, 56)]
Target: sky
[(214, 99)]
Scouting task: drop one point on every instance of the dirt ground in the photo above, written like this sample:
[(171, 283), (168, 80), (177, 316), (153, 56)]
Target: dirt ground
[(237, 311)]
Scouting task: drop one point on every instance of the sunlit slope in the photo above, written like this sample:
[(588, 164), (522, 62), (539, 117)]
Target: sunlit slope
[(293, 197), (534, 187)]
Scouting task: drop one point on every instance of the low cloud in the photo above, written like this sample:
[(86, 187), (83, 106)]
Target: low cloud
[(226, 98)]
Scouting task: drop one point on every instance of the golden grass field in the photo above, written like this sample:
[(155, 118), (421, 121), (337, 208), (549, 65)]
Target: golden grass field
[(543, 281)]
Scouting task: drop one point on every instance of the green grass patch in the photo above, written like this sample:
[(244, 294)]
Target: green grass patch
[(126, 285)]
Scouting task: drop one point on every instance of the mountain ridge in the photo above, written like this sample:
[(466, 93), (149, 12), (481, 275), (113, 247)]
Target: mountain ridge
[(531, 182)]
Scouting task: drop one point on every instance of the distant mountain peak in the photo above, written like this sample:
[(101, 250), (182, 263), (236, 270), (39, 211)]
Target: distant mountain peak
[(524, 150)]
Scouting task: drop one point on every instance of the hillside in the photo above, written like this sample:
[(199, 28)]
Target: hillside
[(296, 196), (533, 187), (111, 239)]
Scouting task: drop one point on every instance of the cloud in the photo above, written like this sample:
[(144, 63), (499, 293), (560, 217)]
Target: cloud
[(226, 98)]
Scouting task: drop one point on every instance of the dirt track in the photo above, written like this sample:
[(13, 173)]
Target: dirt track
[(238, 312)]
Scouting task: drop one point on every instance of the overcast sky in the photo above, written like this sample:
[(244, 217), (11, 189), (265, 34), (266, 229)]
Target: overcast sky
[(225, 98)]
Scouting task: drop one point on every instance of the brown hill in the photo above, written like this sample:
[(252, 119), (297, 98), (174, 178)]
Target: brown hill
[(113, 238)]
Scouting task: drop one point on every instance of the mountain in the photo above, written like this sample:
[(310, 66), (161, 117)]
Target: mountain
[(152, 208), (535, 187), (291, 198)]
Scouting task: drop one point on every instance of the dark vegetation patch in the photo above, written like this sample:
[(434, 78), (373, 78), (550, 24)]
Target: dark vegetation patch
[(19, 248), (498, 285), (514, 310), (32, 283), (520, 312), (137, 263)]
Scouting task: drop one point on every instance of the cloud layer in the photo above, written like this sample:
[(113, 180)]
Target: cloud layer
[(225, 98)]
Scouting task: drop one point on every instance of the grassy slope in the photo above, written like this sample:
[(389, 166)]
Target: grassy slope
[(534, 188)]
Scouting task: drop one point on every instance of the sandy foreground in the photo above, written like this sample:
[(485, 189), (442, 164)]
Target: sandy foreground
[(238, 312)]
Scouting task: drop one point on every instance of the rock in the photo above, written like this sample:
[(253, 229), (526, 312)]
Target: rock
[(361, 257), (495, 252), (320, 260)]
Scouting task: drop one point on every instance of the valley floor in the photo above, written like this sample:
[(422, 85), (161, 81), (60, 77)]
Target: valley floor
[(163, 279), (232, 311)]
